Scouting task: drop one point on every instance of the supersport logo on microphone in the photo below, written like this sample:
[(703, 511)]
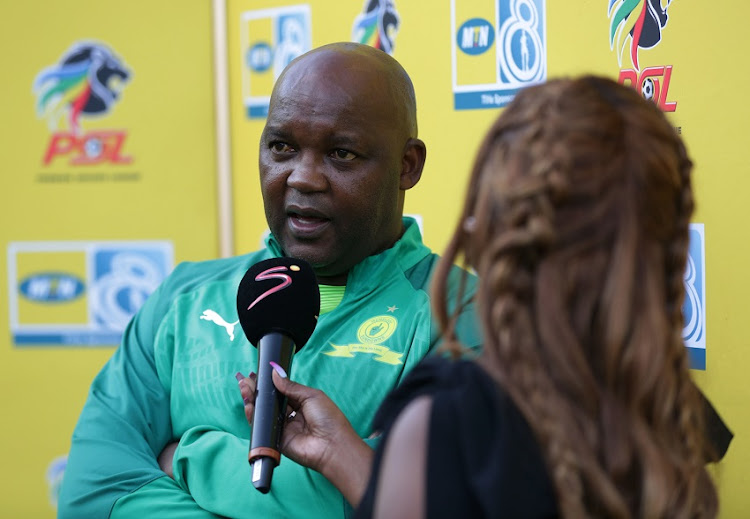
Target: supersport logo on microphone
[(278, 294), (274, 273)]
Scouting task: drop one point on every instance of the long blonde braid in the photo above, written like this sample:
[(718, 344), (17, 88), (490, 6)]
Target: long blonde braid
[(576, 221)]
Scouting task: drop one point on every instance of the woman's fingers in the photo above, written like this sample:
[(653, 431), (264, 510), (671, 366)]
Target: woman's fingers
[(247, 390)]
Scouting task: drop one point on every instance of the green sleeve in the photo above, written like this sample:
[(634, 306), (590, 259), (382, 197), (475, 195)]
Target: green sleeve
[(211, 465), (467, 328), (162, 498), (124, 425)]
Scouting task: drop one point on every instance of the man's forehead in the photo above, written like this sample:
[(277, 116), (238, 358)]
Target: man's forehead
[(318, 87), (338, 73), (338, 56), (305, 121), (352, 87), (345, 92), (322, 113)]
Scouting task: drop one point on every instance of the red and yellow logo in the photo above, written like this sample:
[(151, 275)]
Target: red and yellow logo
[(636, 25), (85, 83)]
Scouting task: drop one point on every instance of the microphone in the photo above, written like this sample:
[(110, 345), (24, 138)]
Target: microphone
[(278, 303)]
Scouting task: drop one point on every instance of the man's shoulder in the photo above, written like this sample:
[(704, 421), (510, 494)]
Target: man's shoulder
[(188, 275), (420, 274)]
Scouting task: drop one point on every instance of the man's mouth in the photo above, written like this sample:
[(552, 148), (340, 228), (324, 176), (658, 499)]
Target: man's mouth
[(306, 224)]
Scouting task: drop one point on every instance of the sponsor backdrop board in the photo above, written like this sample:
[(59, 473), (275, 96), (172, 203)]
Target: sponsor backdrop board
[(496, 48), (468, 57), (108, 180), (132, 170)]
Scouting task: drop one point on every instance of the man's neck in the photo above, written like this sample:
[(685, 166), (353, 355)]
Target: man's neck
[(339, 280)]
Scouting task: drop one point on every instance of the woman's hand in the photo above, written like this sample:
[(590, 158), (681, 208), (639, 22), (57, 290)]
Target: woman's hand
[(318, 435)]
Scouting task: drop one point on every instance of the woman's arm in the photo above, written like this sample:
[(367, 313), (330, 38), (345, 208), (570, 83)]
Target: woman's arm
[(319, 436), (400, 491)]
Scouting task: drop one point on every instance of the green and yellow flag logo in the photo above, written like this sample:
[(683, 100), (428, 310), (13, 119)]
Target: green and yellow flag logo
[(371, 334)]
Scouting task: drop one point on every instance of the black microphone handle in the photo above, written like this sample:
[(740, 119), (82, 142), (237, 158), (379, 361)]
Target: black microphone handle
[(269, 415)]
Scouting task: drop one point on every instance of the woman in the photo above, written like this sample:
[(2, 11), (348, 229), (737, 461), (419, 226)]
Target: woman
[(581, 404)]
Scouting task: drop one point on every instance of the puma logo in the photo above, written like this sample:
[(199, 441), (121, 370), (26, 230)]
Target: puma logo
[(210, 315)]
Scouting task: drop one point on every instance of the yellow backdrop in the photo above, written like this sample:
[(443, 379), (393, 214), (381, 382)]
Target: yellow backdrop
[(147, 176), (706, 83), (136, 179)]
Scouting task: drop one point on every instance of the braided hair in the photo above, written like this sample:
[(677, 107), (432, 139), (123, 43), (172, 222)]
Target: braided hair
[(576, 222)]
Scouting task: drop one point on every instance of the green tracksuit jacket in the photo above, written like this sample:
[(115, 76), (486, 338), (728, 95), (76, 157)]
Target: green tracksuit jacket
[(173, 378)]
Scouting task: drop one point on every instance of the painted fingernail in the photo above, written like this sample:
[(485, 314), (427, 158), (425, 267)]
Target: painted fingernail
[(278, 369), (239, 376), (252, 375), (246, 400)]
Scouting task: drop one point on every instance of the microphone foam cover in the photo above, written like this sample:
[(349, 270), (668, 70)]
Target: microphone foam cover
[(279, 295)]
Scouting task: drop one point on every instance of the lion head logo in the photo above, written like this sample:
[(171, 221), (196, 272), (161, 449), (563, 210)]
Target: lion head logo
[(85, 83), (641, 21), (377, 25)]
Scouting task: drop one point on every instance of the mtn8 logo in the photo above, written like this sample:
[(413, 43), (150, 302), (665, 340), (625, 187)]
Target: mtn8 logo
[(521, 41)]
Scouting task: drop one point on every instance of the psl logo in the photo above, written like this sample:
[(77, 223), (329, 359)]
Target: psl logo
[(85, 84), (377, 25), (635, 25)]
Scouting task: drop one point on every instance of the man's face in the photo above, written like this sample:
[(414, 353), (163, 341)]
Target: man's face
[(330, 162)]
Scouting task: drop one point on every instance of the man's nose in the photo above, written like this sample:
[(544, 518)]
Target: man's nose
[(308, 174)]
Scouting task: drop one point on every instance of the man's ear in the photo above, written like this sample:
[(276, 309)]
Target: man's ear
[(412, 162)]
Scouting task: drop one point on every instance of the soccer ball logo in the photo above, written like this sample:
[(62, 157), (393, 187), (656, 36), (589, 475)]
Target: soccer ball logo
[(647, 89)]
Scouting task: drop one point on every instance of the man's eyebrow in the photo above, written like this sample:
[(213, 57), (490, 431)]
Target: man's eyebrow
[(345, 140), (275, 131)]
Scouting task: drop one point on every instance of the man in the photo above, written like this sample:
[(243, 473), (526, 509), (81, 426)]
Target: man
[(338, 153)]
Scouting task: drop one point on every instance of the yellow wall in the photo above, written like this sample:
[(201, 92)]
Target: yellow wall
[(164, 194), (167, 110), (701, 41)]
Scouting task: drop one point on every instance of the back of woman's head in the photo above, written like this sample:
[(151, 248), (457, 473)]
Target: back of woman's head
[(576, 222)]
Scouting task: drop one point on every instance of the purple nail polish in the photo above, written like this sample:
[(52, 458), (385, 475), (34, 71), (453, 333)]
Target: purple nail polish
[(246, 400), (278, 369), (239, 376)]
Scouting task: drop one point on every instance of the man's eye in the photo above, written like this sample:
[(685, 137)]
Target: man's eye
[(281, 147), (344, 155)]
